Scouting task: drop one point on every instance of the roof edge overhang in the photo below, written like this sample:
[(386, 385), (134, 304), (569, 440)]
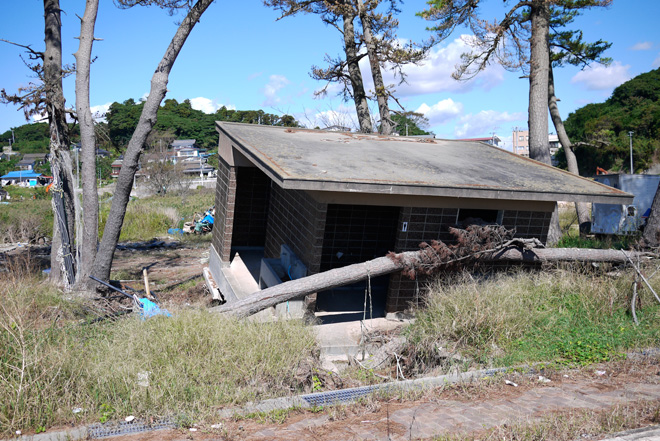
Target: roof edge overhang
[(615, 197)]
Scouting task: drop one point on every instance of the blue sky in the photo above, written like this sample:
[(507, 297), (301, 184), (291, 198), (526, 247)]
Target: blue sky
[(240, 56)]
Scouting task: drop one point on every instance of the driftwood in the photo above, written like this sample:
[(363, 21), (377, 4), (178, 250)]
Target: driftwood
[(512, 251)]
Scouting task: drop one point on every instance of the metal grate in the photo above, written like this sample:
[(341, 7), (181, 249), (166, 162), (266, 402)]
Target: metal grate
[(122, 428), (338, 396)]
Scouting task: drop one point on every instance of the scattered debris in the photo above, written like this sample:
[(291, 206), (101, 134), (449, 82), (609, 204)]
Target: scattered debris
[(129, 418), (143, 378), (77, 410), (543, 379), (600, 373), (510, 383)]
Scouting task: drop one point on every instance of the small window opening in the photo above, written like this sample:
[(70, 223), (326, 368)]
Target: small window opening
[(477, 216)]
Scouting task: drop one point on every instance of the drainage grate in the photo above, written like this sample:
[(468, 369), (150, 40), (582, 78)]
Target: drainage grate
[(123, 428), (338, 396)]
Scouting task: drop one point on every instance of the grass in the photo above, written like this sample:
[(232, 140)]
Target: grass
[(571, 425), (566, 316), (28, 216), (54, 360), (151, 217)]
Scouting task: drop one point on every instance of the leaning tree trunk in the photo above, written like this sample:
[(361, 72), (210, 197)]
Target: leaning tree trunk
[(355, 75), (347, 275), (652, 230), (539, 148), (581, 208), (90, 234), (386, 125), (62, 261), (105, 254)]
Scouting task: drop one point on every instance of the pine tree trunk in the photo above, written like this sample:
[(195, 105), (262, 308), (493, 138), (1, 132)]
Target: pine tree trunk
[(386, 125), (105, 254), (581, 208), (347, 275), (63, 189), (355, 75), (539, 148), (88, 144)]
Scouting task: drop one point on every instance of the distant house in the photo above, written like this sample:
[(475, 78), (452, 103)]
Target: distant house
[(20, 177), (116, 167), (26, 164), (184, 144), (99, 152), (38, 158), (490, 140)]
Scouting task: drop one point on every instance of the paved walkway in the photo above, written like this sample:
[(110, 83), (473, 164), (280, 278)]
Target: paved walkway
[(426, 420)]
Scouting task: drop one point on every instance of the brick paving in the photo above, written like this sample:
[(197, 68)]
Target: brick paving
[(415, 420)]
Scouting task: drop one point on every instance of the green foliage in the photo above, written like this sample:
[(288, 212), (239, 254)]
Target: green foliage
[(633, 106), (151, 217), (27, 217), (410, 124), (29, 138), (567, 316), (184, 122), (8, 165)]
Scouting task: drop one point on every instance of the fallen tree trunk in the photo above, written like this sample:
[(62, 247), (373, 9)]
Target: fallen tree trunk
[(334, 278)]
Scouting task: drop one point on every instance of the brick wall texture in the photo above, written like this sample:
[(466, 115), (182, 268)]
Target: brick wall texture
[(426, 224), (296, 219), (225, 197)]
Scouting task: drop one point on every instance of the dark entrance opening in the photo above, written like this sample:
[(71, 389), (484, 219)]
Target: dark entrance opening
[(354, 234)]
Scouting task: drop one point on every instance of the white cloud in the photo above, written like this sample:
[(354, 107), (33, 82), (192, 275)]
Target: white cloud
[(484, 123), (656, 62), (98, 112), (206, 105), (599, 77), (275, 83), (342, 115), (441, 112), (434, 74), (641, 46)]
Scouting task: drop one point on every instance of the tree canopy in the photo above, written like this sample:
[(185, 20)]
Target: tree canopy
[(184, 122), (601, 130)]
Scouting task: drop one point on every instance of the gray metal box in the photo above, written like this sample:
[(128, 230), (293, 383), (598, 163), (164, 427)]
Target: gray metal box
[(624, 219)]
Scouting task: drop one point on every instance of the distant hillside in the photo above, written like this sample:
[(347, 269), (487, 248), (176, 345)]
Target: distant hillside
[(633, 106), (175, 120)]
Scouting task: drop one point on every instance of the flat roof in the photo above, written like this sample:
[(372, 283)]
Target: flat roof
[(304, 159)]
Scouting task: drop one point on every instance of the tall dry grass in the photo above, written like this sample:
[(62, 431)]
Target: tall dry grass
[(54, 360)]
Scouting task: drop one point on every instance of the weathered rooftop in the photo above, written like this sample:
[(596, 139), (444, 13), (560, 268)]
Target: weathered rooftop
[(351, 162)]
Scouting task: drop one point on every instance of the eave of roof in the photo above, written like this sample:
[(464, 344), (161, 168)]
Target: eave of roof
[(350, 162)]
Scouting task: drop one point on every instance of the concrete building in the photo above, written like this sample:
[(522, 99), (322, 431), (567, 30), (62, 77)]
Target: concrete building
[(293, 202), (520, 142)]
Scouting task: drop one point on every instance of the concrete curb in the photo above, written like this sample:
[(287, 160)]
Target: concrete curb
[(644, 433)]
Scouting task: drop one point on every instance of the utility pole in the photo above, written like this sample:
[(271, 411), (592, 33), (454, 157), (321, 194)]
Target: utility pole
[(632, 171)]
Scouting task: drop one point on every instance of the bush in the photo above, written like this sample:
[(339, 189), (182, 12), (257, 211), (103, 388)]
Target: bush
[(565, 316)]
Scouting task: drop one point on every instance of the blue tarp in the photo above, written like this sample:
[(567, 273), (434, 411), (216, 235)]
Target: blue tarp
[(25, 174), (150, 309)]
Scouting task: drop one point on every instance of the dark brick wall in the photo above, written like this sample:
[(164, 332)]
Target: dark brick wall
[(251, 210), (296, 219), (528, 224), (225, 195), (359, 232), (426, 224)]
